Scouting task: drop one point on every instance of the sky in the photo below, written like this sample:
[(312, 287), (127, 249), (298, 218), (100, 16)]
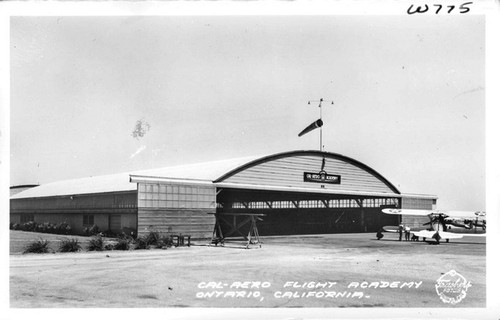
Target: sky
[(408, 95)]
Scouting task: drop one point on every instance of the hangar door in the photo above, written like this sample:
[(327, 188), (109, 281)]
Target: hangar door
[(288, 213), (309, 192)]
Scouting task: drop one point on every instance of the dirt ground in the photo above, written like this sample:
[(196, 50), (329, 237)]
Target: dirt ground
[(342, 270)]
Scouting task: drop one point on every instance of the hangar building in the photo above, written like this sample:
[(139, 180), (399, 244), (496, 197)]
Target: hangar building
[(299, 192)]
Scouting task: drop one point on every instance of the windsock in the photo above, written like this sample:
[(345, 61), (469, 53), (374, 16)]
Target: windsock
[(316, 124)]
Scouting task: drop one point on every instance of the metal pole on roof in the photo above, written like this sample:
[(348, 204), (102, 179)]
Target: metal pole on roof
[(320, 105)]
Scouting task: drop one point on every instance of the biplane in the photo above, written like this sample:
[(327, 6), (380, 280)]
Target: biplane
[(442, 221)]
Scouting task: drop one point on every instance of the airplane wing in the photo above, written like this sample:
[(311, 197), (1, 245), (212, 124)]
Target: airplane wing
[(449, 214), (396, 229), (442, 234), (449, 235), (465, 214), (479, 235), (408, 212), (390, 228)]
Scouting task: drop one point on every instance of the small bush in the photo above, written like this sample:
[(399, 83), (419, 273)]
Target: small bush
[(108, 234), (129, 231), (165, 242), (39, 246), (71, 245), (29, 226), (91, 231), (141, 243), (122, 244), (62, 228), (96, 244), (153, 239), (45, 227)]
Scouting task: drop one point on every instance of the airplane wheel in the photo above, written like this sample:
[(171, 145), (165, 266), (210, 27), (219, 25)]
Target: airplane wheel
[(447, 240)]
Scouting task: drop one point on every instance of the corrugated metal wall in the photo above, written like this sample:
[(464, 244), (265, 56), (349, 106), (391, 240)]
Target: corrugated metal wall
[(118, 200), (419, 204), (70, 209), (197, 223), (75, 220), (289, 171)]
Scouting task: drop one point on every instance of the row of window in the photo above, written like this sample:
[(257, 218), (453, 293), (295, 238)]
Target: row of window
[(77, 202), (156, 190), (176, 196), (335, 203), (176, 204), (417, 203)]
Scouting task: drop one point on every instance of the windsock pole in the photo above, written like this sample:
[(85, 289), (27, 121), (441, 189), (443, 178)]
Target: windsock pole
[(321, 128), (321, 120)]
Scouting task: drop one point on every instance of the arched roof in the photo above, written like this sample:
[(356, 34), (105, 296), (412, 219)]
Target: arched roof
[(311, 153), (230, 171)]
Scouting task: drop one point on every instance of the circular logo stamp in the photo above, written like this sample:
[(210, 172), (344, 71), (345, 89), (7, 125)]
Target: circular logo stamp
[(452, 287)]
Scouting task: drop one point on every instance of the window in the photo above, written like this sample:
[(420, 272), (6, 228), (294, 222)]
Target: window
[(176, 196), (88, 219)]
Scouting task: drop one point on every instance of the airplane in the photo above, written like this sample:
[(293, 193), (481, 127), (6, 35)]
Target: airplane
[(441, 221)]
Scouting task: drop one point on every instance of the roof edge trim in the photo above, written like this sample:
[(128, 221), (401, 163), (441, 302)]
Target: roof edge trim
[(141, 178)]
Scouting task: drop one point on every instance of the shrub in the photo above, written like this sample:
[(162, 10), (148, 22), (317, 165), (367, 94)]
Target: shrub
[(141, 243), (165, 242), (45, 227), (108, 234), (71, 245), (91, 231), (29, 226), (39, 246), (129, 232), (96, 244), (122, 244), (62, 228), (153, 239), (38, 227)]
